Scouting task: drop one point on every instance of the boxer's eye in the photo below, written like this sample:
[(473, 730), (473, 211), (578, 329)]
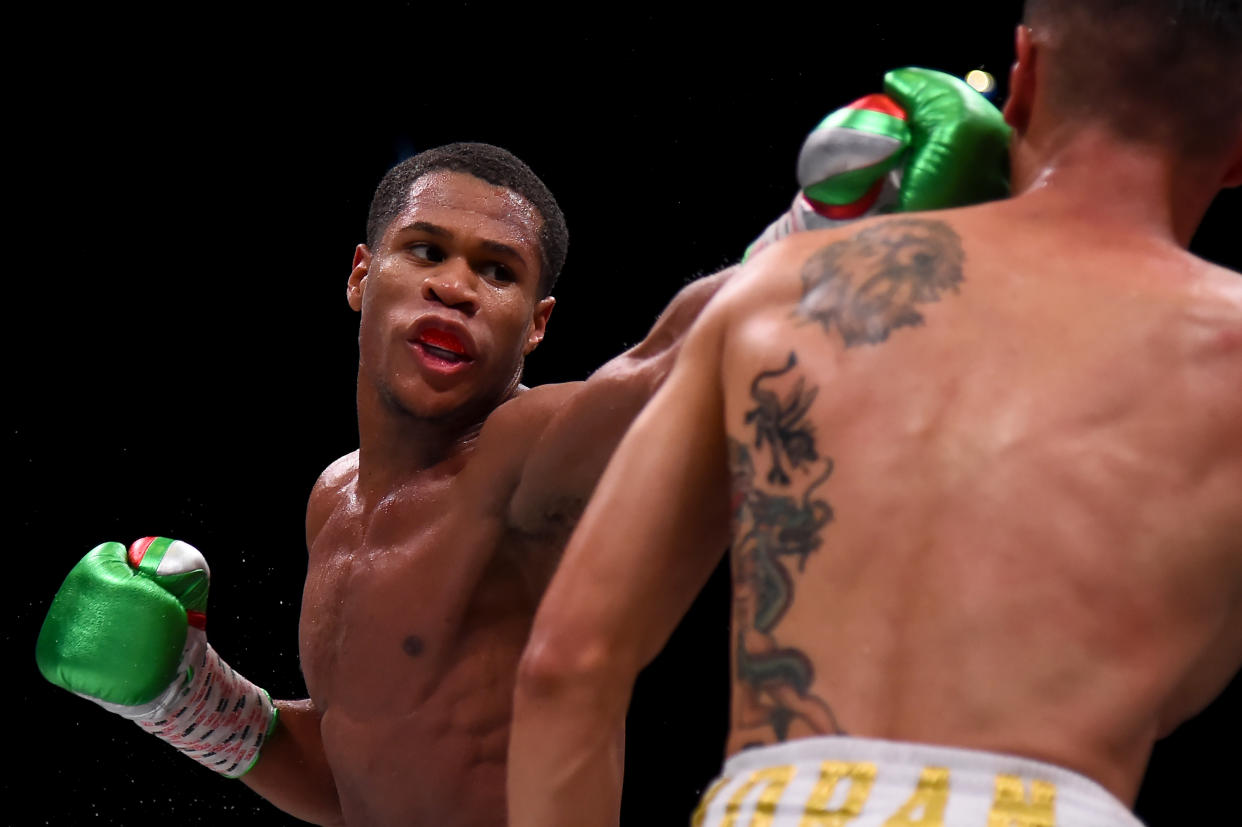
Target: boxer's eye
[(426, 252), (497, 272)]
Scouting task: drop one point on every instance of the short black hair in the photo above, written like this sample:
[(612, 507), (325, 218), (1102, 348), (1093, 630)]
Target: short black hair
[(1168, 71), (488, 163)]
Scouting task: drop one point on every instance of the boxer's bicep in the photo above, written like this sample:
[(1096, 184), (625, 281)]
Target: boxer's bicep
[(567, 460), (657, 523), (571, 452)]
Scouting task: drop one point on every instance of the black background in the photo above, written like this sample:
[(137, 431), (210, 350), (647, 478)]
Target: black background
[(185, 196)]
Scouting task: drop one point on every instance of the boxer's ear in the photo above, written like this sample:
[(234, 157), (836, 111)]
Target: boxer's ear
[(539, 324), (1021, 98), (357, 283)]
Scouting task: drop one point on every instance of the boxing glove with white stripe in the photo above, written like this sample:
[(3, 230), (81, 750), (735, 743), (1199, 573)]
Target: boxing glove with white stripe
[(127, 629), (929, 142)]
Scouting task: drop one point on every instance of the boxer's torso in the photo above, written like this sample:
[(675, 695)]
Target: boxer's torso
[(1013, 525), (414, 615)]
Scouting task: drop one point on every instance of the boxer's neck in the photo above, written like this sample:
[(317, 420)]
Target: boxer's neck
[(1120, 185), (394, 446)]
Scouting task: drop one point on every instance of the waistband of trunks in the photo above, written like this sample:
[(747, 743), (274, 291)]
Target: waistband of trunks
[(973, 773)]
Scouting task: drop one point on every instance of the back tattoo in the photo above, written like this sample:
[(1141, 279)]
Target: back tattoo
[(866, 287), (769, 529)]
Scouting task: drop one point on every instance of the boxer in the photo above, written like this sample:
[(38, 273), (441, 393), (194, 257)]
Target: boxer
[(981, 470)]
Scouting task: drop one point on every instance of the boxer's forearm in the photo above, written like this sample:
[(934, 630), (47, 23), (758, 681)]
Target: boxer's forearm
[(567, 758), (292, 772)]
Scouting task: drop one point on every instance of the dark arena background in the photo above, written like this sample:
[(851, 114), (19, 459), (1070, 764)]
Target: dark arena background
[(187, 193)]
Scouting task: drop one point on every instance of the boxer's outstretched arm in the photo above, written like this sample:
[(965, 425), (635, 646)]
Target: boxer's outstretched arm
[(648, 541), (590, 417), (292, 772)]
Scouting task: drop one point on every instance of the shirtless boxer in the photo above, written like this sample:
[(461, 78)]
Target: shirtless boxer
[(982, 468), (429, 546)]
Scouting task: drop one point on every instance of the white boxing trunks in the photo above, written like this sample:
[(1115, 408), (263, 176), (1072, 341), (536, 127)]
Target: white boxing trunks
[(838, 781)]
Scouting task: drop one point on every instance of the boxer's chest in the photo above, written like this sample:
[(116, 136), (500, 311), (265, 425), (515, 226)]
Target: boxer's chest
[(399, 603)]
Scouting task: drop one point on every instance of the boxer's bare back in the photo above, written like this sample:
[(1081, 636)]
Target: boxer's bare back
[(983, 466), (984, 469), (987, 487)]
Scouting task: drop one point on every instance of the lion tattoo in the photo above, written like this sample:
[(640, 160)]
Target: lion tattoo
[(869, 285)]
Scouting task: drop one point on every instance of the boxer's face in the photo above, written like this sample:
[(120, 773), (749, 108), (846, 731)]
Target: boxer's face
[(449, 298)]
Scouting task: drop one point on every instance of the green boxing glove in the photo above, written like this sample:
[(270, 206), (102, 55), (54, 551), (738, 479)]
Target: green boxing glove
[(931, 142), (127, 630), (959, 142)]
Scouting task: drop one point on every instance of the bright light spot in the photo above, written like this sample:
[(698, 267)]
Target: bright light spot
[(980, 81)]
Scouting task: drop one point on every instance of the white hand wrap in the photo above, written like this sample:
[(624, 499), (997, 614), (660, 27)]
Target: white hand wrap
[(210, 713)]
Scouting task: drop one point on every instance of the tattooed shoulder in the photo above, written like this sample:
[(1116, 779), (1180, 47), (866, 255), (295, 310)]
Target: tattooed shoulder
[(870, 284)]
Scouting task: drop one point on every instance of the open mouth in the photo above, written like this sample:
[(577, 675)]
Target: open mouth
[(442, 347), (443, 354)]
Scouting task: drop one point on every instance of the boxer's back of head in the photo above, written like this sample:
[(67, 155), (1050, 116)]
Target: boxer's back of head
[(1162, 71)]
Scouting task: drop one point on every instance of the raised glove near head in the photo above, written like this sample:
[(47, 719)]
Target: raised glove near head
[(959, 141), (929, 142), (128, 630)]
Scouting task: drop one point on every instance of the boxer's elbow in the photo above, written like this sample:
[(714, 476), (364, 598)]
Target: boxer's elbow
[(293, 772), (566, 753), (568, 666)]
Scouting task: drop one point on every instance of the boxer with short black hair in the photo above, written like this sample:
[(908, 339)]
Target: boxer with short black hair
[(981, 469), (487, 163), (430, 546)]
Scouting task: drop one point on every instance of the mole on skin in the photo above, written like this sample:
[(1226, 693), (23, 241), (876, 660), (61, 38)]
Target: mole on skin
[(412, 645)]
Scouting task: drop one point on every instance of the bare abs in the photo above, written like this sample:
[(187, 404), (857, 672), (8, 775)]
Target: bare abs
[(412, 625)]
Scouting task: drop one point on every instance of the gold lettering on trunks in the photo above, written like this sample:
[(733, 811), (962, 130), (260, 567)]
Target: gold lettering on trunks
[(929, 800), (1012, 807), (861, 777), (774, 780), (700, 812)]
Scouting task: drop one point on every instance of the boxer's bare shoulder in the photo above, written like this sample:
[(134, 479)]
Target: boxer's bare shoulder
[(329, 491), (566, 433), (511, 430), (1218, 309), (565, 437)]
